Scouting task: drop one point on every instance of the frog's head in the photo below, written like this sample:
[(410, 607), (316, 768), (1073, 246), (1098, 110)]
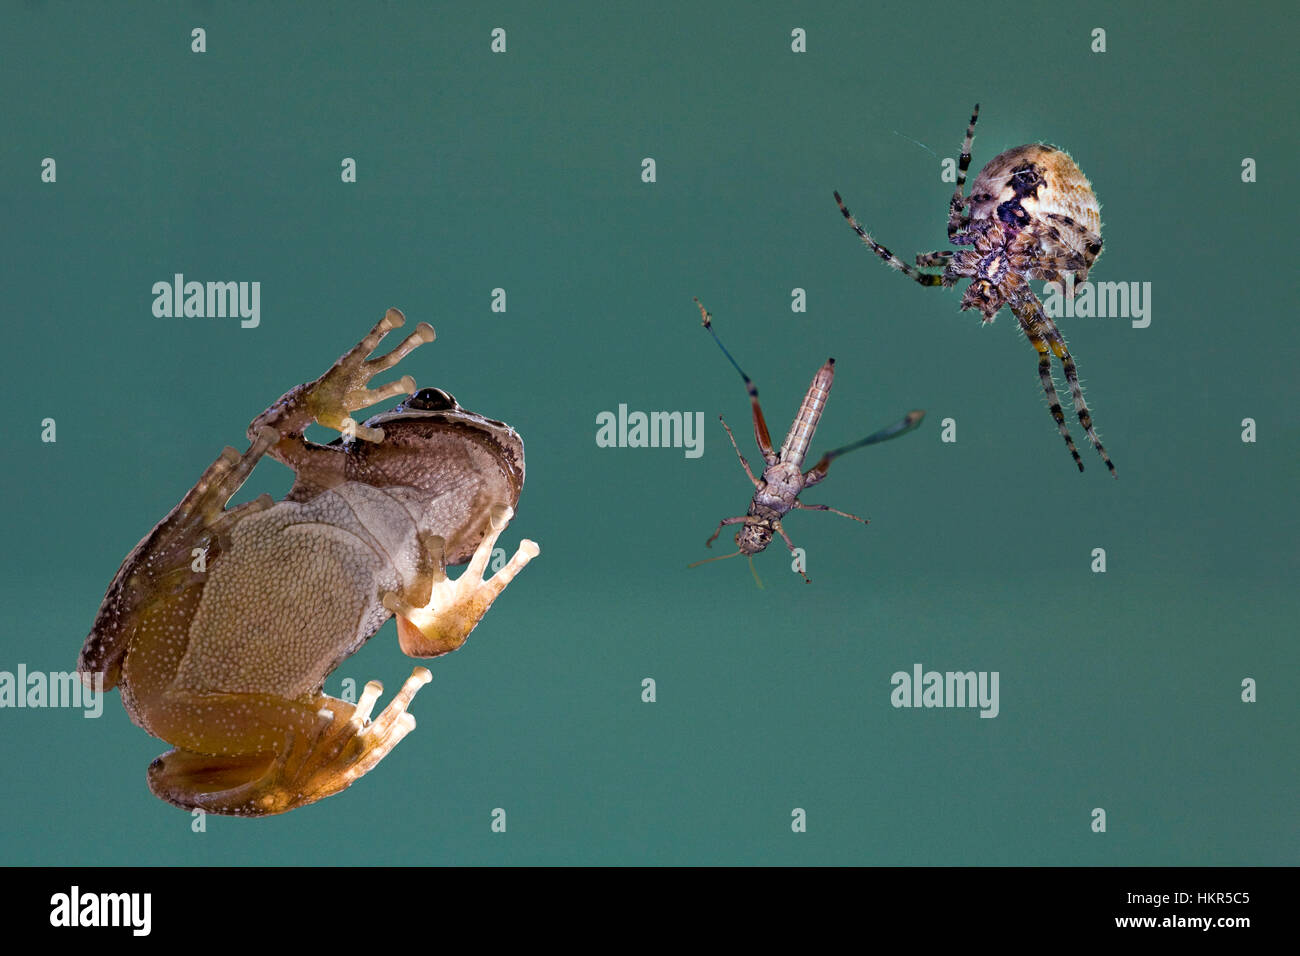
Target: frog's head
[(431, 445)]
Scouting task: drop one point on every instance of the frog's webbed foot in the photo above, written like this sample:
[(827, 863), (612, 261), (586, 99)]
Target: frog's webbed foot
[(435, 614), (349, 745), (343, 389), (344, 745)]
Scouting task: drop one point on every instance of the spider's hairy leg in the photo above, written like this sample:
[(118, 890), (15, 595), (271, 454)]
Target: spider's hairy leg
[(1040, 252), (891, 260), (1089, 240), (956, 221), (1057, 343), (1056, 268), (1031, 320), (941, 258)]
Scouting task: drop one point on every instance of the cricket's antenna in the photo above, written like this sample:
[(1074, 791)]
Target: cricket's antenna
[(708, 324), (722, 557), (753, 570)]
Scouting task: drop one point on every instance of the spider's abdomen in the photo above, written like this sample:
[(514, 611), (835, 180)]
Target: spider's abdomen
[(1036, 182)]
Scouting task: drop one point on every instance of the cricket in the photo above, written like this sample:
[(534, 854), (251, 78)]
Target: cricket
[(777, 493)]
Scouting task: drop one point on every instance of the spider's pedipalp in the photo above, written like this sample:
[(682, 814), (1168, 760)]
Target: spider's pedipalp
[(891, 260), (941, 258)]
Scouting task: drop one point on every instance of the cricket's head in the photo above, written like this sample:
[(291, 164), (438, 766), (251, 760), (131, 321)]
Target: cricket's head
[(750, 540), (753, 538)]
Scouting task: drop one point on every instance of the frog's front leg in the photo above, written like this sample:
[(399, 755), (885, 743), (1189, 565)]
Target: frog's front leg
[(166, 554), (332, 398), (435, 614), (278, 430), (256, 755), (206, 501)]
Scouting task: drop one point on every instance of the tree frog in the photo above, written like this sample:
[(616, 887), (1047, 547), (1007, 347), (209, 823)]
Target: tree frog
[(222, 625)]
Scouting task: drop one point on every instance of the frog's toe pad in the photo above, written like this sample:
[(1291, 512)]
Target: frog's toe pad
[(343, 746), (344, 388), (350, 748), (455, 607)]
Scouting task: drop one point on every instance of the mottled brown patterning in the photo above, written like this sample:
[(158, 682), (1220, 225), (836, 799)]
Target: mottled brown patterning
[(1031, 214)]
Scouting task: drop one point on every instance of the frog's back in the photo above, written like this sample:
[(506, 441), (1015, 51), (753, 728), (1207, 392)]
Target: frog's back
[(298, 592)]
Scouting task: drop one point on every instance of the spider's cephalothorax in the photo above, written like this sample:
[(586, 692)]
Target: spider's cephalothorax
[(1031, 214)]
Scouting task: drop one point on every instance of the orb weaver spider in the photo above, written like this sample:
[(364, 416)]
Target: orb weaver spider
[(1031, 214)]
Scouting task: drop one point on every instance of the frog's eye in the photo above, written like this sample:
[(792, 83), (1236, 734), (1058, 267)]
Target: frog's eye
[(429, 400)]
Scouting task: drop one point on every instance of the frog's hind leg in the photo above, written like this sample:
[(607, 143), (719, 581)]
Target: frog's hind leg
[(320, 755)]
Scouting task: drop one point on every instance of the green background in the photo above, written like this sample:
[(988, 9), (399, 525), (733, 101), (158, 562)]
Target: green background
[(1118, 690)]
